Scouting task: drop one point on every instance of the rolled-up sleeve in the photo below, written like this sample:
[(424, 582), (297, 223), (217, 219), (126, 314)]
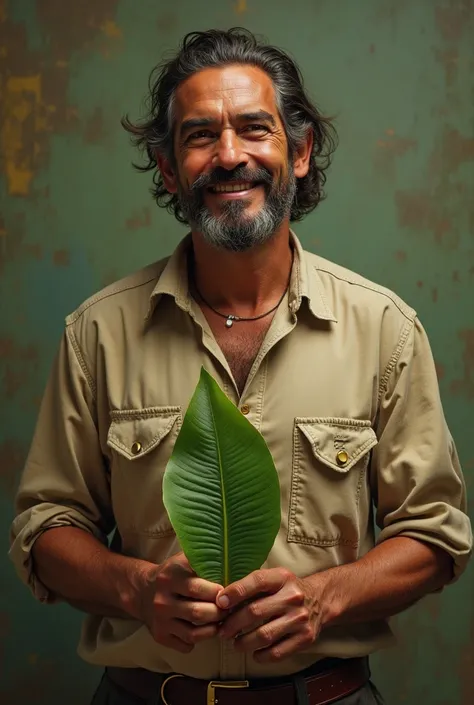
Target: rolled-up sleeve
[(415, 473), (65, 480)]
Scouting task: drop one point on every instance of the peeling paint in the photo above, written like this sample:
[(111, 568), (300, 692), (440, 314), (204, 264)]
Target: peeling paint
[(465, 385), (34, 84), (419, 211), (388, 150)]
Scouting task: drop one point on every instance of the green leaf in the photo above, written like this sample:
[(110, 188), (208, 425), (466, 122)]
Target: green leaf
[(221, 488)]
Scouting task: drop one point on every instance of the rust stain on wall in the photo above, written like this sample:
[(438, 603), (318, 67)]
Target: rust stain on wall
[(18, 364), (13, 456), (388, 150), (61, 258), (139, 219), (465, 385), (452, 18), (418, 211), (449, 60), (34, 84), (94, 131), (401, 255), (440, 370), (240, 7), (436, 208), (12, 242), (455, 150)]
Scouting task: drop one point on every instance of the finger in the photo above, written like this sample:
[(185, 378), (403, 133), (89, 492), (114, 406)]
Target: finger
[(269, 633), (190, 634), (258, 582), (198, 589), (198, 612), (284, 648), (252, 615)]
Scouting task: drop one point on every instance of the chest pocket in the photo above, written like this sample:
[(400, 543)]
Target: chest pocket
[(141, 442), (330, 458)]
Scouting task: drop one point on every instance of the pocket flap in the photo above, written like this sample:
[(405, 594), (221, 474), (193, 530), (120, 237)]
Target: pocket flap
[(338, 443), (134, 433)]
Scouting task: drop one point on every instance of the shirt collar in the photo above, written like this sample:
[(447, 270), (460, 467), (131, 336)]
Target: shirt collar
[(305, 282)]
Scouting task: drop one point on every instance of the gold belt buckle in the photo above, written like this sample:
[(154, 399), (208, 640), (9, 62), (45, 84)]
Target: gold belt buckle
[(212, 685)]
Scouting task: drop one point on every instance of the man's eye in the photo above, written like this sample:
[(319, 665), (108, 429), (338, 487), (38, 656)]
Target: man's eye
[(256, 128), (200, 135)]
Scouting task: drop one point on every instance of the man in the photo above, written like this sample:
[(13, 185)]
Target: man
[(335, 372)]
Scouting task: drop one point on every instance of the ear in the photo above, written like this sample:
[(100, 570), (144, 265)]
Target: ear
[(167, 172), (302, 156)]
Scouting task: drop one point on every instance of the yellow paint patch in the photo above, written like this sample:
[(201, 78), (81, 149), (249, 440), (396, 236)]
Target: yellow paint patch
[(241, 7), (390, 131), (22, 111), (111, 29)]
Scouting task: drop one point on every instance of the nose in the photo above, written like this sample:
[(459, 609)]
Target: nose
[(229, 153)]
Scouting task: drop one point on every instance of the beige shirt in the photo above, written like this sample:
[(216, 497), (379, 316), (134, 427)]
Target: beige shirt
[(345, 366)]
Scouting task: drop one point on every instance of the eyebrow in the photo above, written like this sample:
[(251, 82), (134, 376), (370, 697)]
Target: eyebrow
[(194, 123)]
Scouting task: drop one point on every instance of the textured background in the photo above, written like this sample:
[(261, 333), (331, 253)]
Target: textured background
[(399, 76)]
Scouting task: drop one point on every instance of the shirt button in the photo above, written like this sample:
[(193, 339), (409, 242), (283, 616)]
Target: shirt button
[(342, 458), (245, 409), (136, 448)]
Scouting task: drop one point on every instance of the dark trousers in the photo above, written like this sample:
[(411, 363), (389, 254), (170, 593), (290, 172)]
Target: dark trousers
[(109, 694)]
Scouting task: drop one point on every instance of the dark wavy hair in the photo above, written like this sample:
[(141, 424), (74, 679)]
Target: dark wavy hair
[(202, 50)]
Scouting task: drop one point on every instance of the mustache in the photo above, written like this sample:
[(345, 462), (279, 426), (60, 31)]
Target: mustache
[(221, 176)]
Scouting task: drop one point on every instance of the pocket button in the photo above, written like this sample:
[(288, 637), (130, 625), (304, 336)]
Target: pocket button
[(136, 448), (342, 458)]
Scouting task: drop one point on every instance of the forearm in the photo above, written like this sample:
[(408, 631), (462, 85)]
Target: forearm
[(75, 566), (387, 580)]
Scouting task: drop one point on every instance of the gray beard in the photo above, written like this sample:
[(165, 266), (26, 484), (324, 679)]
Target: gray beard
[(232, 230)]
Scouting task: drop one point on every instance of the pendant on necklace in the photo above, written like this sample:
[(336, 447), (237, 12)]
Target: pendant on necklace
[(230, 321)]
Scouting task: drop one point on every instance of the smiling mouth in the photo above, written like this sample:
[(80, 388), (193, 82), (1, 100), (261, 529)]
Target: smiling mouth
[(232, 188)]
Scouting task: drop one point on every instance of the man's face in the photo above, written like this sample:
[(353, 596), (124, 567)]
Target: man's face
[(233, 177)]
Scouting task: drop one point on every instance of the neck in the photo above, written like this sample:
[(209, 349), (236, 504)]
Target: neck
[(243, 282)]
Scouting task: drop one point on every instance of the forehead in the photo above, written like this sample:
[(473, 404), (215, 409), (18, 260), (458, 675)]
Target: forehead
[(225, 89)]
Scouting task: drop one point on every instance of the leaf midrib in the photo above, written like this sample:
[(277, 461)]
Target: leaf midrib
[(224, 504)]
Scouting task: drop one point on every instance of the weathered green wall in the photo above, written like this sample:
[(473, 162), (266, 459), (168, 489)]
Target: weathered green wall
[(399, 74)]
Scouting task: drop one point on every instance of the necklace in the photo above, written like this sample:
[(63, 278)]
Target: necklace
[(231, 318)]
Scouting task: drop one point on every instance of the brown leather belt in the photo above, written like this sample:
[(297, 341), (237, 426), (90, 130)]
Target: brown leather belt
[(322, 688)]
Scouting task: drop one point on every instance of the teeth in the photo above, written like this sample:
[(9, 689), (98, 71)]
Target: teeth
[(229, 188)]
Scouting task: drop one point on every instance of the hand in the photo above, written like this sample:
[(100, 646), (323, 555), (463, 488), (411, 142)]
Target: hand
[(282, 614), (179, 608)]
